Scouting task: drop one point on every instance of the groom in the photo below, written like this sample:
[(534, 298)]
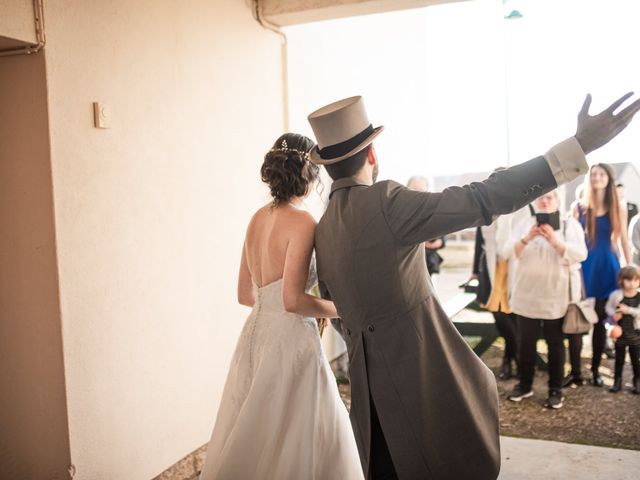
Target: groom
[(424, 406)]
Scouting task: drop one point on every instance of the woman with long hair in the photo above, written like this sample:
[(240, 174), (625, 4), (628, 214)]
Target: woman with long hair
[(281, 415), (605, 224)]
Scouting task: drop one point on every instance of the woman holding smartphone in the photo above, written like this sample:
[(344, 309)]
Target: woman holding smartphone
[(549, 251)]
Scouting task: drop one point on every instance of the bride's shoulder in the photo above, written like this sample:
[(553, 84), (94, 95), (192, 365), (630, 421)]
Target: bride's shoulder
[(301, 219), (258, 221), (257, 216), (297, 224)]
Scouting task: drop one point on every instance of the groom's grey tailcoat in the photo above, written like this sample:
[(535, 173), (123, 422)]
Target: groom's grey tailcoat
[(436, 401)]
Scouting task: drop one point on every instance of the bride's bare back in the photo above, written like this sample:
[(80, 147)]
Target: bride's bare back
[(278, 245), (268, 237)]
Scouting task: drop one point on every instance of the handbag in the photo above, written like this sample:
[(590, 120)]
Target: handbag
[(579, 317), (581, 314)]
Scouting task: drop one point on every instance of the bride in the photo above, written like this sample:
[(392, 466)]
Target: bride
[(281, 416)]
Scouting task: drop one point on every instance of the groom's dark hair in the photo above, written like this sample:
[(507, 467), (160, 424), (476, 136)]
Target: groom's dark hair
[(349, 166)]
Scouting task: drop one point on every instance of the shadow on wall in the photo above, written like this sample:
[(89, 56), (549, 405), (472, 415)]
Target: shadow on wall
[(34, 438)]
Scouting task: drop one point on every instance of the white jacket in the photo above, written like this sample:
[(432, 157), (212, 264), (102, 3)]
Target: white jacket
[(541, 283), (614, 299)]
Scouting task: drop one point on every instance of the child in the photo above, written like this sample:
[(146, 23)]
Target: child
[(622, 306)]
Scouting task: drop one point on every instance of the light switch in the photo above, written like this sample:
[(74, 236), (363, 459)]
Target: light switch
[(101, 115)]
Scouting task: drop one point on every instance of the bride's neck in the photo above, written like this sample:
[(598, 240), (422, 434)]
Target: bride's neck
[(295, 202)]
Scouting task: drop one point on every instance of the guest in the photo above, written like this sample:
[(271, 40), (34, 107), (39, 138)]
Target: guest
[(622, 306), (541, 296), (494, 274), (634, 238), (431, 247), (604, 223), (575, 339), (632, 208), (579, 197)]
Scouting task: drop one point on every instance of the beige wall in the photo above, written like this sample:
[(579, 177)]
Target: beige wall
[(34, 441), (151, 214), (16, 21), (291, 12)]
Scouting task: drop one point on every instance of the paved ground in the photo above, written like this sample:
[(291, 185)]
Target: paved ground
[(525, 459)]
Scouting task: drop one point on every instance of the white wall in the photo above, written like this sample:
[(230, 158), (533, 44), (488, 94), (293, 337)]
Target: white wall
[(394, 61), (151, 213)]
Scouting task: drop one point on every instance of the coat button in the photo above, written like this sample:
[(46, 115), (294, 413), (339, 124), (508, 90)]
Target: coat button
[(370, 328)]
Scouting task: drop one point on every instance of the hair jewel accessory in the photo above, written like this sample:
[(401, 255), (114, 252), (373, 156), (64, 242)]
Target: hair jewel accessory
[(284, 147)]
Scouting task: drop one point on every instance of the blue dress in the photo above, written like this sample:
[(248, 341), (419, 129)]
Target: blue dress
[(601, 267)]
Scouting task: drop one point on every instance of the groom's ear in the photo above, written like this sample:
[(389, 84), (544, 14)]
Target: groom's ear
[(372, 159)]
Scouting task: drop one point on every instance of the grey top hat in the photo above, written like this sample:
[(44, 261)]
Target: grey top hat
[(341, 129)]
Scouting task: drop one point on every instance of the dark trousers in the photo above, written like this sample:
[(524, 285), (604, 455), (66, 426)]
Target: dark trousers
[(528, 334), (380, 464), (575, 349), (634, 353), (599, 338), (506, 326)]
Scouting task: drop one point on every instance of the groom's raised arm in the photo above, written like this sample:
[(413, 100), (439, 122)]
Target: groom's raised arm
[(414, 217)]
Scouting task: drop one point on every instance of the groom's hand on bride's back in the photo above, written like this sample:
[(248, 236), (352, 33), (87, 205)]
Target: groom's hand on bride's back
[(595, 131)]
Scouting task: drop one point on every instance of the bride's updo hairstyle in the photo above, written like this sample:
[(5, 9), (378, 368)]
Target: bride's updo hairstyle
[(286, 168)]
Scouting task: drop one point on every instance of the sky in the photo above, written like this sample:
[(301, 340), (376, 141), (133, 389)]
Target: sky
[(459, 88)]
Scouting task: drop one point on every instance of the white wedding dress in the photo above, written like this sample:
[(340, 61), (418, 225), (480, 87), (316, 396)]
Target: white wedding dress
[(281, 416)]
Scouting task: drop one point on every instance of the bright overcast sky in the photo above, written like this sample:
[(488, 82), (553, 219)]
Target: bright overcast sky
[(437, 78)]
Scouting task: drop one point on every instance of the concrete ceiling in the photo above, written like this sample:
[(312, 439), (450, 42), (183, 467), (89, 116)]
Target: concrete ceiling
[(292, 12)]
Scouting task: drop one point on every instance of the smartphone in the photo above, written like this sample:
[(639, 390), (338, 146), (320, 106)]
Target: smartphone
[(552, 219)]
